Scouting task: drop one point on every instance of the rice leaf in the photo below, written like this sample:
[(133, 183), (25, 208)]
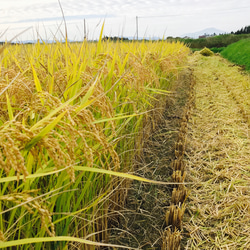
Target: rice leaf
[(89, 169), (85, 102), (46, 172), (115, 118), (99, 45), (44, 132), (55, 239), (10, 111), (158, 91), (123, 175), (37, 83)]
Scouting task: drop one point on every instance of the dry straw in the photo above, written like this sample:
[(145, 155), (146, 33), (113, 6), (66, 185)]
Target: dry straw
[(173, 239), (219, 158)]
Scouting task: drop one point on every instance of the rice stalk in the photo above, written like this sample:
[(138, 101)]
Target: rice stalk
[(71, 116)]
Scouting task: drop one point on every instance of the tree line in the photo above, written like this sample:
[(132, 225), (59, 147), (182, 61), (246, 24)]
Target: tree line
[(245, 30)]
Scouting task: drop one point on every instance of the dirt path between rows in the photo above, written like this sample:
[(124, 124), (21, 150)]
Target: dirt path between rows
[(218, 161), (142, 222)]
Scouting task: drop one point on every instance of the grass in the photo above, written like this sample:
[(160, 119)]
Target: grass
[(238, 53), (217, 50), (72, 115)]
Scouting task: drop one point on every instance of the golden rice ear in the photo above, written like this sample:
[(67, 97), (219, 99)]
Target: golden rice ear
[(32, 204)]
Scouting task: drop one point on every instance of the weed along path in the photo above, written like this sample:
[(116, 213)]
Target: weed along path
[(217, 157)]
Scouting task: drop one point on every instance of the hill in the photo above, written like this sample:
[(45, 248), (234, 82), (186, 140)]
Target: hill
[(208, 31)]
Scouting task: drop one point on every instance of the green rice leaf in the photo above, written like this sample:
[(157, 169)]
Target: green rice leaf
[(46, 172), (55, 239), (93, 204), (89, 169), (115, 118), (44, 132), (119, 174), (85, 102), (99, 45), (159, 91), (37, 83)]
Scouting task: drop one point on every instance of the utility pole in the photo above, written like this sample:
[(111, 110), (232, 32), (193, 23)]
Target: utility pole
[(137, 27), (85, 33)]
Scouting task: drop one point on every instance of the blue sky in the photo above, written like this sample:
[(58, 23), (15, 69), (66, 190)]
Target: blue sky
[(156, 17)]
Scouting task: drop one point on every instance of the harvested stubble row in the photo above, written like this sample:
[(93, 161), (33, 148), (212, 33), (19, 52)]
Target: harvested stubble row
[(144, 218), (218, 158), (174, 216), (71, 115)]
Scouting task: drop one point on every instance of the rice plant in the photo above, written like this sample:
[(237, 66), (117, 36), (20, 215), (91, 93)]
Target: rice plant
[(72, 117)]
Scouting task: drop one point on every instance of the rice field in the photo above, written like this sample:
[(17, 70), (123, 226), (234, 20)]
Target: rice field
[(72, 118)]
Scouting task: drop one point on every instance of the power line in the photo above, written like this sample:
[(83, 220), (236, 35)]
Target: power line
[(162, 16)]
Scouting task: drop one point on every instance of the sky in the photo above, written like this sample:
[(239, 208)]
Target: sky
[(156, 18)]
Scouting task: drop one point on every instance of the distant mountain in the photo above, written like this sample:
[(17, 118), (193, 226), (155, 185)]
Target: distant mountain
[(208, 31)]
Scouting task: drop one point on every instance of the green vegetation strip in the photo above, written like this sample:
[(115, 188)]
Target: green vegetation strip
[(214, 41), (239, 53)]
